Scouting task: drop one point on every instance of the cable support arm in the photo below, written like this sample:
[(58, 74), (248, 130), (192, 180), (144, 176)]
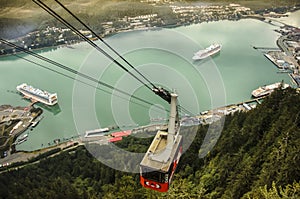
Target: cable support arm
[(163, 93)]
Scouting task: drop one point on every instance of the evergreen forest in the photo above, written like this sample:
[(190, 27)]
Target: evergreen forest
[(257, 156)]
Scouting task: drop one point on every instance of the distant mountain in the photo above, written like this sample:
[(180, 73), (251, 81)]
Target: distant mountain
[(19, 17), (22, 16)]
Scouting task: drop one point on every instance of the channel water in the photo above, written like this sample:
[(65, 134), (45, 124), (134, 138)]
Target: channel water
[(164, 56)]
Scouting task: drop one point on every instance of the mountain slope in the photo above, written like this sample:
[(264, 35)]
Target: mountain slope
[(255, 149), (256, 156)]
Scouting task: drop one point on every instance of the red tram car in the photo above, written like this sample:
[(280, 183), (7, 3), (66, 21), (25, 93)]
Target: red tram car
[(159, 163)]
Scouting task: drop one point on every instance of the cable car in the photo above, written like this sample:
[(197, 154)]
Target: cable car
[(160, 161)]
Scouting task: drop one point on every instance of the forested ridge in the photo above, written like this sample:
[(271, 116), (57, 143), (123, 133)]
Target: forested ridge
[(20, 17), (256, 156)]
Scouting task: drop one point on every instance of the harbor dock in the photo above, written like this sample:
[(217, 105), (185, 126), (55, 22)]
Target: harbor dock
[(287, 56)]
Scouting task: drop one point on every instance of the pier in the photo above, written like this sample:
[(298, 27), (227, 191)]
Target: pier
[(253, 100), (266, 48)]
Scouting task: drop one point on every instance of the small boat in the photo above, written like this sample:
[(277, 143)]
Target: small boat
[(22, 139)]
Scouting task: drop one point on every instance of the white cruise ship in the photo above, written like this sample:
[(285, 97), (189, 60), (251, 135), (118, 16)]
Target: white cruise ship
[(211, 50), (37, 94), (268, 89)]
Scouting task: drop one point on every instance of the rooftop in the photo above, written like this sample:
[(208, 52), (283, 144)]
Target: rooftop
[(160, 154)]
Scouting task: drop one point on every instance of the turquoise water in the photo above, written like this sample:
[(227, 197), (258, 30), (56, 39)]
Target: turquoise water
[(163, 56)]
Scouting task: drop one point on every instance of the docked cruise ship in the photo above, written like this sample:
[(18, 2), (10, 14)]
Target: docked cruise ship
[(267, 89), (211, 50), (37, 94)]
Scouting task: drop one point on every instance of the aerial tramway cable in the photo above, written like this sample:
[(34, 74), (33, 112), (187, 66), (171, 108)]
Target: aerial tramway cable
[(32, 53), (73, 78), (62, 20), (186, 111), (163, 93), (169, 157), (72, 70), (98, 37)]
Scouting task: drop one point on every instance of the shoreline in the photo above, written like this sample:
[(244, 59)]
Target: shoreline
[(50, 48), (113, 31), (20, 159)]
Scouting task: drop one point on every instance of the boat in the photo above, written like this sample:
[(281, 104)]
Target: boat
[(268, 89), (36, 121), (96, 132), (36, 94), (209, 51), (22, 139)]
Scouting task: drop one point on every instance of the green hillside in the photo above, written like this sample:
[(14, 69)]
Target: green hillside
[(257, 156), (19, 17)]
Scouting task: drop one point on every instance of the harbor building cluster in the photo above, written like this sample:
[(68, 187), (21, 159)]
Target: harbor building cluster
[(287, 57), (205, 13), (14, 121)]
